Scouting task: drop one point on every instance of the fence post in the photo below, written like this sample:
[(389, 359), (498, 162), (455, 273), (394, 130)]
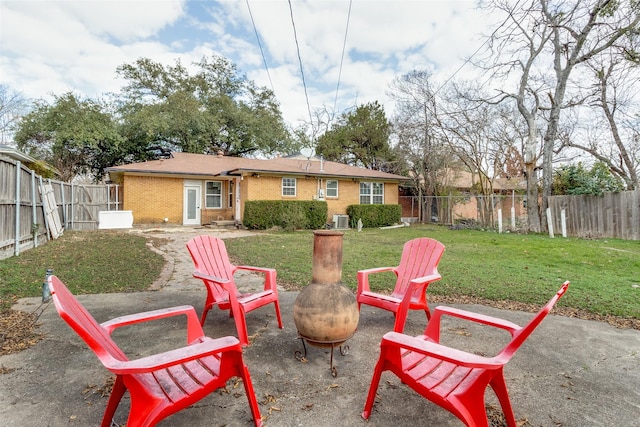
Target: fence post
[(34, 210), (16, 249), (64, 207), (513, 209), (499, 220), (72, 213), (550, 222), (563, 222)]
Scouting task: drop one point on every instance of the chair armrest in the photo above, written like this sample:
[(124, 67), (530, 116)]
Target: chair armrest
[(194, 329), (363, 276), (414, 285), (441, 352), (174, 357), (200, 275), (511, 327), (422, 280), (260, 269), (269, 275)]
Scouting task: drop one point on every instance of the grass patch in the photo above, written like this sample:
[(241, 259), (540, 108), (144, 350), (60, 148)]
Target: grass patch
[(497, 267), (88, 262)]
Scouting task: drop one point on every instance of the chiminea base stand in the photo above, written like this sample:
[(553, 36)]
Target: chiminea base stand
[(344, 350)]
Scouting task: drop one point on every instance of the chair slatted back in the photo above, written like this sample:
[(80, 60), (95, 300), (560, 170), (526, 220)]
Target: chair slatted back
[(419, 258), (522, 334), (82, 322), (210, 256)]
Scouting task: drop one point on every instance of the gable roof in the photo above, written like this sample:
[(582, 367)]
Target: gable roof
[(209, 165)]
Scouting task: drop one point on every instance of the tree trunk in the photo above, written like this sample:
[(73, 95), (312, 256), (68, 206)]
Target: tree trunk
[(530, 160)]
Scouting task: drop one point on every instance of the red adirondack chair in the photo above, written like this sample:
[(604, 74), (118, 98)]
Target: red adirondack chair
[(418, 266), (213, 267), (452, 378), (161, 384)]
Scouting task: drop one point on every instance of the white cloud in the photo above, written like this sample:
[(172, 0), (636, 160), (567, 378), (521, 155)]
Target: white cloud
[(77, 45)]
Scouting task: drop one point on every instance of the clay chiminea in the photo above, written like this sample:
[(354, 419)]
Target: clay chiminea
[(325, 312)]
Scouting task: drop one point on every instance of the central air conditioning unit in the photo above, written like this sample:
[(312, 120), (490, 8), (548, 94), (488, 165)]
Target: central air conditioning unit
[(340, 221)]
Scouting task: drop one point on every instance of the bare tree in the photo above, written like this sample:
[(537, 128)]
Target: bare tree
[(614, 93), (554, 37), (579, 33), (516, 47), (419, 139), (12, 106), (481, 135)]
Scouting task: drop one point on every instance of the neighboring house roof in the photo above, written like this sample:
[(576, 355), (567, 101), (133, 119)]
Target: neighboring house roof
[(519, 183), (13, 153), (464, 180), (210, 165)]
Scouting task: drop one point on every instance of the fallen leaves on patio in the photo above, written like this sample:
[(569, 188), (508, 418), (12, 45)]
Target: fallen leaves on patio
[(17, 331), (496, 418), (103, 391)]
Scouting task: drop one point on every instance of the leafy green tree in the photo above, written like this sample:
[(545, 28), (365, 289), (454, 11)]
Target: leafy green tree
[(75, 136), (214, 109), (360, 138), (577, 179)]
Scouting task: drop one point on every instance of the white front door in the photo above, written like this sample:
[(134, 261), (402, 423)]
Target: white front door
[(191, 209)]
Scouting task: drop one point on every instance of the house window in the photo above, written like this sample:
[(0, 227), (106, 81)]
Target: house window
[(288, 186), (231, 196), (332, 188), (213, 194), (371, 193)]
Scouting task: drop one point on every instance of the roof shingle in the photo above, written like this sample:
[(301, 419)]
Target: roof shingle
[(208, 165)]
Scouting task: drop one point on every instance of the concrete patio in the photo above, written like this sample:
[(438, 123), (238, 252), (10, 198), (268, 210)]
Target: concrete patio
[(570, 372)]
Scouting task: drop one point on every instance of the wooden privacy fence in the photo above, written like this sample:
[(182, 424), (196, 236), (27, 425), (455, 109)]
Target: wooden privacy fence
[(612, 215), (34, 210)]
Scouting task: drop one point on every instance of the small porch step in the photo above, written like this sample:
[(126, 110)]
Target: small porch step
[(226, 224)]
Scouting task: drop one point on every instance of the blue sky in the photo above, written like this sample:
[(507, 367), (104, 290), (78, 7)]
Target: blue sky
[(55, 46)]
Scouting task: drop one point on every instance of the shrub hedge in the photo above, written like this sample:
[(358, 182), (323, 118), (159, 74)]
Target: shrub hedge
[(288, 214), (374, 215)]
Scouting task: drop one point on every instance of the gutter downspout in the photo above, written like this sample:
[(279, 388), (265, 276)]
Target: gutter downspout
[(236, 214)]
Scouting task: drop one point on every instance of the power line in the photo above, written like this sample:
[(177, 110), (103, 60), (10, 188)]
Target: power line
[(264, 59), (304, 84), (478, 49), (344, 44)]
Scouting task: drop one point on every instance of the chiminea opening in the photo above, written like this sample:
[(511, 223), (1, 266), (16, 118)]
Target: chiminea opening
[(325, 312)]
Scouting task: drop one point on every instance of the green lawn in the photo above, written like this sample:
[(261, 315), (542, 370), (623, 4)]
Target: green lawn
[(92, 262), (604, 274)]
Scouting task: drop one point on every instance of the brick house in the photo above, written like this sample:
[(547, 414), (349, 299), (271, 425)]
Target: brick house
[(196, 189), (463, 200)]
